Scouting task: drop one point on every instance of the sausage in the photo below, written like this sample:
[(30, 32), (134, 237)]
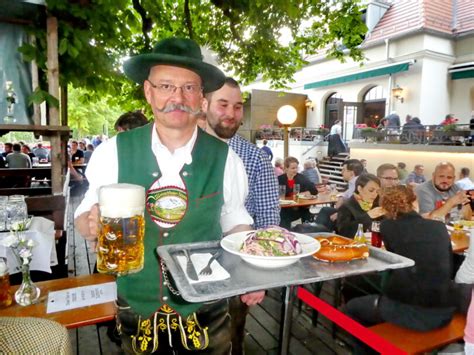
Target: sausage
[(336, 248)]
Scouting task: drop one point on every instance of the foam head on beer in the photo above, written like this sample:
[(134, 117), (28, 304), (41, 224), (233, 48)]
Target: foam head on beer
[(121, 200)]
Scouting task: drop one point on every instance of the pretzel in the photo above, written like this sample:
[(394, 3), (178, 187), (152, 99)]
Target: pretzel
[(336, 248)]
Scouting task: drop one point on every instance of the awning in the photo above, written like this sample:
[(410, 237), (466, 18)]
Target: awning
[(463, 74), (389, 69)]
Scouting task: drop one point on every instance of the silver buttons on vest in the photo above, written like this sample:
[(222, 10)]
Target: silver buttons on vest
[(164, 298), (165, 235), (155, 174), (185, 173)]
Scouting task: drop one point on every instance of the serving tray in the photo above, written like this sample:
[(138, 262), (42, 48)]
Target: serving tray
[(246, 278)]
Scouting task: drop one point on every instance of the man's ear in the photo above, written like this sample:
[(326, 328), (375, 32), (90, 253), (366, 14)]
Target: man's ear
[(204, 105), (147, 91)]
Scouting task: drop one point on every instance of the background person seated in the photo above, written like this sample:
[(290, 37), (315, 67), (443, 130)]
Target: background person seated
[(311, 171), (422, 297), (359, 209), (440, 196), (17, 159), (290, 178), (351, 169)]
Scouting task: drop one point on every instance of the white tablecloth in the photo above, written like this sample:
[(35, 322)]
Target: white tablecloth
[(44, 253)]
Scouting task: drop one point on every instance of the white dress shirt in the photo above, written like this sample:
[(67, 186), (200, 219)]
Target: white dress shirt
[(103, 170)]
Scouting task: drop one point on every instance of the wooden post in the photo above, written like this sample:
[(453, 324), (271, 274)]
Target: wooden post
[(53, 89), (35, 85)]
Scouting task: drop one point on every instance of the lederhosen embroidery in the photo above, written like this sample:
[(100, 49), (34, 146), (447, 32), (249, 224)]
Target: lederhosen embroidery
[(193, 336)]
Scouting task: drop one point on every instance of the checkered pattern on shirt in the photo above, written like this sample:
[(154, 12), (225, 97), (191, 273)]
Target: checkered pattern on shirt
[(27, 335), (262, 202)]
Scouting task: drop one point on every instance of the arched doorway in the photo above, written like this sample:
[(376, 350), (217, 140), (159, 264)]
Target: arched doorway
[(333, 109), (373, 106)]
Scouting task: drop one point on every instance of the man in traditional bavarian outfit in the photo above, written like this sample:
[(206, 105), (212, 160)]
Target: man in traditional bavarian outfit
[(171, 157)]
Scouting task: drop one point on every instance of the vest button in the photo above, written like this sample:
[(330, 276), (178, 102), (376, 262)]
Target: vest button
[(164, 298), (166, 234), (185, 173), (155, 174)]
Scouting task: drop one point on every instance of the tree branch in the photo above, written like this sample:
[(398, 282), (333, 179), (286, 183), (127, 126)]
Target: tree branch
[(189, 23), (147, 22)]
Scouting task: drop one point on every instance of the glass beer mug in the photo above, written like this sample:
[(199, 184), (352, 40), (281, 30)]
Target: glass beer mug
[(121, 229)]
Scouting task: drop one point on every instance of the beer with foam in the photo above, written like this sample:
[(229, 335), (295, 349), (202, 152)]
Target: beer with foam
[(121, 229)]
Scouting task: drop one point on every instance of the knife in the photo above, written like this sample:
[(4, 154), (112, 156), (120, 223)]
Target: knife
[(190, 270)]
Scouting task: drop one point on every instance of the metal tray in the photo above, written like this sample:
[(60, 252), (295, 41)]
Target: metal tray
[(247, 278)]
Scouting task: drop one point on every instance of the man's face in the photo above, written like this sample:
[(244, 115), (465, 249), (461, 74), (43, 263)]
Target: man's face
[(173, 110), (389, 178), (443, 178), (419, 171), (224, 111), (73, 146), (347, 175)]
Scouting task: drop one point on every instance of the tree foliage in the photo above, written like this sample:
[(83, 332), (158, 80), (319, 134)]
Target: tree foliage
[(89, 115), (96, 35)]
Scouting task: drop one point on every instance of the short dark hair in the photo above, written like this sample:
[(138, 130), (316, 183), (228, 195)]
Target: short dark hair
[(465, 171), (228, 81), (364, 179), (131, 120), (16, 147), (385, 167), (354, 165), (401, 165), (9, 145)]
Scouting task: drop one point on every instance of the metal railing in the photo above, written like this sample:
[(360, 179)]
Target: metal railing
[(459, 134)]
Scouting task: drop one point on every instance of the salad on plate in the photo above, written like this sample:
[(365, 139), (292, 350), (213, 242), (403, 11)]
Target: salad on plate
[(271, 241)]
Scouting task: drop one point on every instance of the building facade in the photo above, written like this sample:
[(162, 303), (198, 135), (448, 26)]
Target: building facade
[(419, 62)]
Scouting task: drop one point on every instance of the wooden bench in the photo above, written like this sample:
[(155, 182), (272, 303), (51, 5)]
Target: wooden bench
[(414, 342)]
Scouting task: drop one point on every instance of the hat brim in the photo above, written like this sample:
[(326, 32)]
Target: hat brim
[(138, 68)]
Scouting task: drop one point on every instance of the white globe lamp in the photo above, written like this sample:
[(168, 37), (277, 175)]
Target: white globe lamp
[(286, 116)]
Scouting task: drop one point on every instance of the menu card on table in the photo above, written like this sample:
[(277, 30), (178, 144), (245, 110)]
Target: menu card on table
[(78, 297)]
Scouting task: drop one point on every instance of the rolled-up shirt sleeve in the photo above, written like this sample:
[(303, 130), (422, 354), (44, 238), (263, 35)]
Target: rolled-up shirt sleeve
[(101, 170), (235, 192)]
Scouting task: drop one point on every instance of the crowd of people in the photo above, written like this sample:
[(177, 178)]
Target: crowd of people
[(228, 185)]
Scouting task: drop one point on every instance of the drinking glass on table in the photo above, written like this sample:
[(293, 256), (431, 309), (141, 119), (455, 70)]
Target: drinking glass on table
[(282, 191), (296, 191), (17, 211), (3, 212), (333, 192), (121, 229)]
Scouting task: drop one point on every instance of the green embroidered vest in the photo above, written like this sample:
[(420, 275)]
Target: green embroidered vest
[(203, 179)]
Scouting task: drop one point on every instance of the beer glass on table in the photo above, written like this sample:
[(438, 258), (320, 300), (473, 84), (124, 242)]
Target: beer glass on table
[(5, 296), (121, 229), (296, 192)]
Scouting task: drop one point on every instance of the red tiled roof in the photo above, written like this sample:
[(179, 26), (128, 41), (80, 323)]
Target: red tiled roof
[(465, 16), (405, 16)]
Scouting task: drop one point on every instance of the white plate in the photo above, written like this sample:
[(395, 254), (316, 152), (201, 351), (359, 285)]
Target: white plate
[(233, 242), (287, 202), (309, 197)]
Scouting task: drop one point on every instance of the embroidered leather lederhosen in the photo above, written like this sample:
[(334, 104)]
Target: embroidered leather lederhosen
[(197, 218)]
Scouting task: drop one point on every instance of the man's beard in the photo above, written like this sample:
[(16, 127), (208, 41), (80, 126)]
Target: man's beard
[(225, 132), (443, 189)]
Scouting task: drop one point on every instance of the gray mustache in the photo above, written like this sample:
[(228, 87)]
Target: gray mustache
[(172, 107)]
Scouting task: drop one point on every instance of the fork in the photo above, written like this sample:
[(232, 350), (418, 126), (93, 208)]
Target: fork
[(207, 269)]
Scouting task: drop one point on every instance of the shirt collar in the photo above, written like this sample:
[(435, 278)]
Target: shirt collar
[(186, 150)]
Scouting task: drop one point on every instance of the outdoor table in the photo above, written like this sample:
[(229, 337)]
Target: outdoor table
[(73, 318), (42, 232), (246, 278), (322, 199)]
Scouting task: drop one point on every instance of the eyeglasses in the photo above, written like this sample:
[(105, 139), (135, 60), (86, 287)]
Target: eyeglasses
[(389, 178), (169, 89)]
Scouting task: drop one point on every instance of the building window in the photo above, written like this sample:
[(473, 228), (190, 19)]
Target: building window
[(373, 106)]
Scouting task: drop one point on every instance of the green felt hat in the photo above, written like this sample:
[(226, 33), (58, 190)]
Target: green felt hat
[(180, 52)]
